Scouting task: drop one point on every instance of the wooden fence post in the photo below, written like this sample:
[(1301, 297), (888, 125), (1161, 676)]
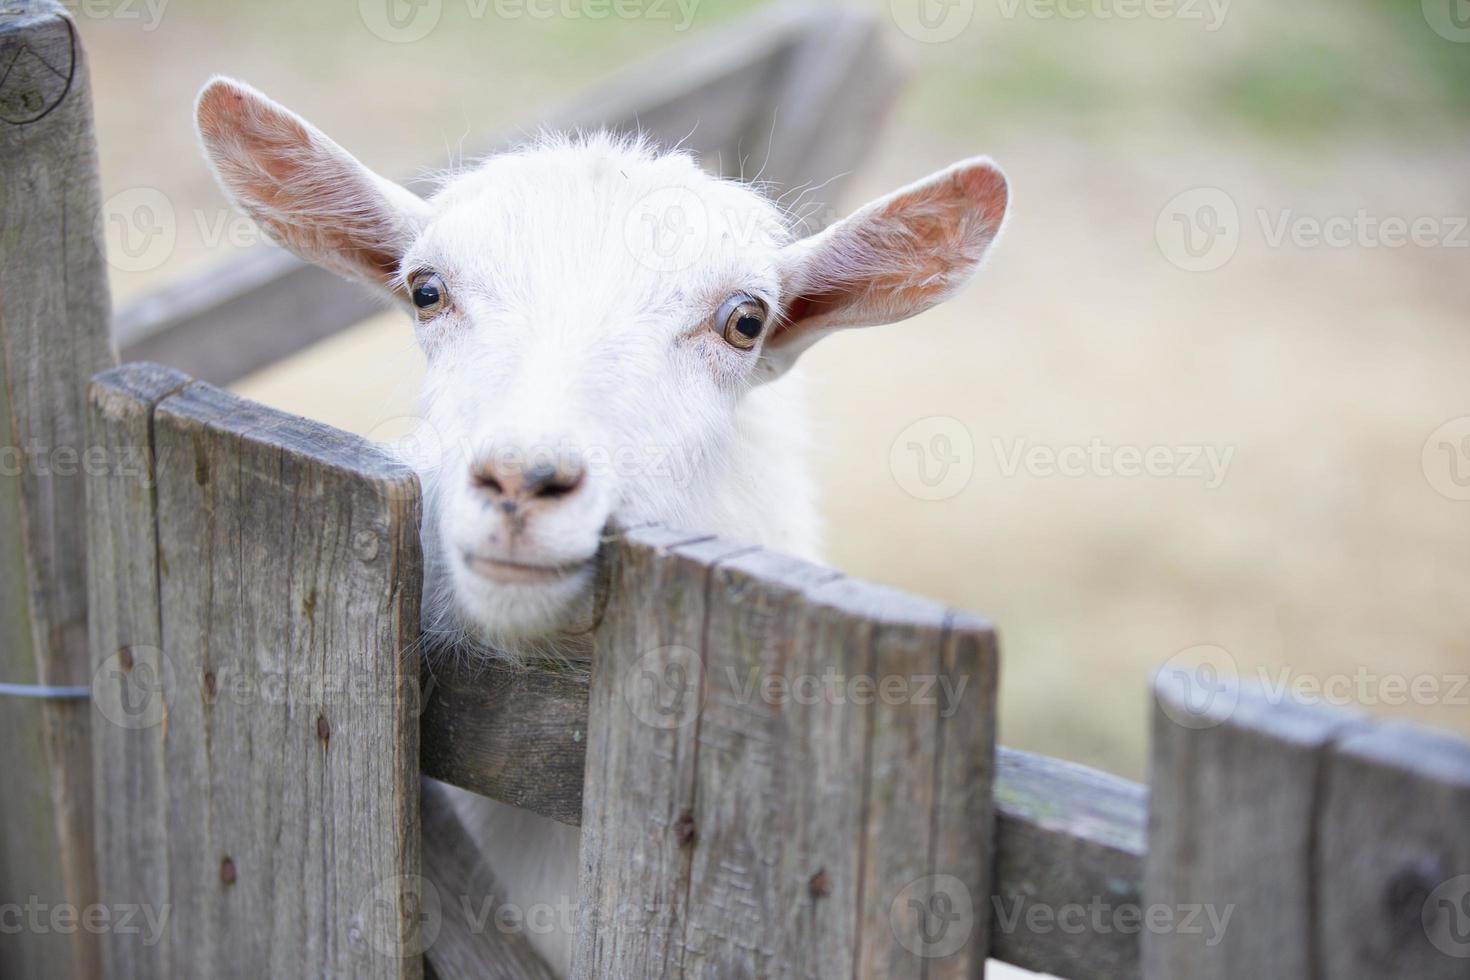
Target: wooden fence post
[(788, 773), (54, 335), (1230, 871), (1393, 886), (259, 727)]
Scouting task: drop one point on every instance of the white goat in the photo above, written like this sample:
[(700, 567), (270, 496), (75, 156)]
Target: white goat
[(603, 325)]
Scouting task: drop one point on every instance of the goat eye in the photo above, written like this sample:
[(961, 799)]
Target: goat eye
[(742, 319), (427, 292)]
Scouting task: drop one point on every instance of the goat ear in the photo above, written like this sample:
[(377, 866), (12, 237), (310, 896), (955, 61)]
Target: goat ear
[(894, 258), (305, 191)]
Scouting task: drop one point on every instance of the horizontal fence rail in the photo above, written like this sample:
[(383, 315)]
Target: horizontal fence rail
[(1065, 835)]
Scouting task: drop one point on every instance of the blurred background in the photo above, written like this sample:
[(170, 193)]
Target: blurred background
[(1209, 392)]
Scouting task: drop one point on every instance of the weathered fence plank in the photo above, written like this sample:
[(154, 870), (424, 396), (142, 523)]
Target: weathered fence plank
[(54, 335), (637, 792), (793, 93), (1067, 838), (474, 936), (1393, 845), (283, 700), (519, 737), (819, 824), (130, 788), (1230, 876)]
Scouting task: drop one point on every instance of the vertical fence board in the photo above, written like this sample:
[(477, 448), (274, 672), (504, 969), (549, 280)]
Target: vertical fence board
[(760, 784), (644, 695), (1394, 840), (1232, 822), (775, 785), (54, 335), (289, 572), (129, 784)]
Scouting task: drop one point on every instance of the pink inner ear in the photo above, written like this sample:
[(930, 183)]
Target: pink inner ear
[(298, 185), (899, 256)]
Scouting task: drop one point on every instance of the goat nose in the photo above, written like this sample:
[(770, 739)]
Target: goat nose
[(512, 483)]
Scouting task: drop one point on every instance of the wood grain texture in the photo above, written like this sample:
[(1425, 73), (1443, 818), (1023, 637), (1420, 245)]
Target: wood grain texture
[(130, 786), (793, 93), (475, 937), (1394, 857), (519, 737), (1066, 837), (802, 817), (289, 570), (54, 335), (1232, 832)]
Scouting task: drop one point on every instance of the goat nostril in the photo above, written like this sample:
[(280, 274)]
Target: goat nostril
[(549, 483)]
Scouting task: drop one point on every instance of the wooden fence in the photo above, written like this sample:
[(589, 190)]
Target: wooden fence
[(777, 770)]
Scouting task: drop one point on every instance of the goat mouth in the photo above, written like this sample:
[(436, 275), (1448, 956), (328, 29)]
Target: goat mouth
[(521, 573)]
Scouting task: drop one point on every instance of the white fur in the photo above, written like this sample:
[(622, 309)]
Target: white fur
[(583, 277)]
